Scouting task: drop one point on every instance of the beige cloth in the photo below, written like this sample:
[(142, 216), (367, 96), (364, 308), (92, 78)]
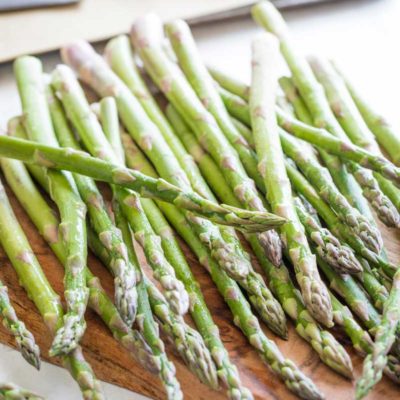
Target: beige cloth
[(41, 30)]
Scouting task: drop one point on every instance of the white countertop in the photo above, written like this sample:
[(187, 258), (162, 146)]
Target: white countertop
[(362, 36)]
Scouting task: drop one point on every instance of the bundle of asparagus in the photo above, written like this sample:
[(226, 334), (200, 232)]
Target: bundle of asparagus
[(221, 156)]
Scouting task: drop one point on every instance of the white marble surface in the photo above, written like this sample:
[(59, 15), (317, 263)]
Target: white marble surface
[(362, 36)]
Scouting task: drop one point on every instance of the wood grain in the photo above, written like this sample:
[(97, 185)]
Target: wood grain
[(111, 363)]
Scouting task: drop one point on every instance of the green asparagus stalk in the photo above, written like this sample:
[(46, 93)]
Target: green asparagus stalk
[(23, 337), (46, 222), (259, 295), (187, 341), (303, 187), (360, 339), (293, 96), (202, 122), (352, 122), (9, 391), (244, 318), (329, 350), (322, 181), (158, 151), (34, 281), (222, 243), (313, 95), (28, 71), (328, 247), (73, 55), (265, 55), (229, 83), (375, 362), (226, 371), (81, 163), (110, 123), (384, 132), (342, 148), (124, 273), (202, 83), (84, 120), (146, 323)]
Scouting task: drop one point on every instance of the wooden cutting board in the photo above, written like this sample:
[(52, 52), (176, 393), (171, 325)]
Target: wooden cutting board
[(113, 365)]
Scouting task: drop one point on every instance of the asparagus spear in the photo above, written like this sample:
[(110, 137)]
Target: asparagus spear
[(302, 186), (322, 181), (9, 391), (312, 93), (108, 115), (342, 148), (229, 83), (28, 71), (84, 120), (224, 244), (244, 318), (384, 132), (360, 339), (329, 350), (200, 80), (259, 295), (24, 339), (188, 104), (328, 247), (375, 362), (226, 371), (123, 271), (271, 165), (47, 224), (34, 281), (293, 96), (380, 197), (145, 320)]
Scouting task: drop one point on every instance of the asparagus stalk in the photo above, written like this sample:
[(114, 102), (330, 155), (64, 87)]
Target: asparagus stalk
[(322, 181), (123, 271), (145, 320), (224, 244), (226, 371), (187, 341), (346, 113), (23, 337), (302, 186), (360, 339), (202, 83), (28, 71), (293, 96), (375, 362), (244, 318), (342, 148), (84, 120), (188, 104), (110, 123), (34, 281), (229, 83), (312, 93), (384, 132), (327, 246), (271, 165), (259, 295), (9, 391), (329, 350), (47, 224)]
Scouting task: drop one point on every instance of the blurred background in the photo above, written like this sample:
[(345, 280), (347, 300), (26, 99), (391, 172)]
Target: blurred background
[(361, 35)]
